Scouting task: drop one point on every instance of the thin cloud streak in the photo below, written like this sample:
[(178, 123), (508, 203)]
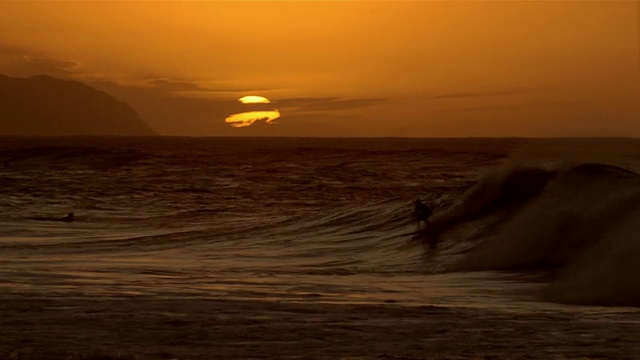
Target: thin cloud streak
[(462, 95), (510, 107)]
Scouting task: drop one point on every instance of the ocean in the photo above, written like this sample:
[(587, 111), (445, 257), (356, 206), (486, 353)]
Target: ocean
[(306, 248)]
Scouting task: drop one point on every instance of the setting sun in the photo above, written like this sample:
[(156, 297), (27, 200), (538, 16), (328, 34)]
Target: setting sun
[(248, 118), (253, 99)]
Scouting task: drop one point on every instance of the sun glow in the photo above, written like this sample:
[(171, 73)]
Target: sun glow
[(254, 99), (250, 117)]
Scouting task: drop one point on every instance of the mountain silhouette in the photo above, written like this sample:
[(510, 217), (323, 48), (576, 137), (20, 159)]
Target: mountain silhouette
[(46, 106)]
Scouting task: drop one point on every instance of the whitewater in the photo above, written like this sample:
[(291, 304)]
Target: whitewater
[(305, 247)]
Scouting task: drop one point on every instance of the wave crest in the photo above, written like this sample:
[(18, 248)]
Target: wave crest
[(582, 222)]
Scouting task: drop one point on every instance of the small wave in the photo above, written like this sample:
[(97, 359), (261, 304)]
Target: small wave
[(56, 156), (194, 190)]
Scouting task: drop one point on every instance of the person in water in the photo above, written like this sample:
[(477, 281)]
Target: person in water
[(421, 212), (68, 218)]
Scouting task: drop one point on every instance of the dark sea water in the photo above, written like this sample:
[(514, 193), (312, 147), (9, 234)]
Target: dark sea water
[(519, 225)]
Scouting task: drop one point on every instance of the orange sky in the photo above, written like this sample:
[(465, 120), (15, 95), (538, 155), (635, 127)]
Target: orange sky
[(343, 68)]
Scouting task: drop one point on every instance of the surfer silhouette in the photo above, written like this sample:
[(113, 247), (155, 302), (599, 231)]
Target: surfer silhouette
[(421, 213), (68, 218)]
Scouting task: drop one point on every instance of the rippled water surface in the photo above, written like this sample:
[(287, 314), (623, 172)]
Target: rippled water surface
[(295, 219)]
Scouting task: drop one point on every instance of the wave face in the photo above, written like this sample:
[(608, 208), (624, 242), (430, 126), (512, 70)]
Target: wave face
[(329, 217), (583, 225)]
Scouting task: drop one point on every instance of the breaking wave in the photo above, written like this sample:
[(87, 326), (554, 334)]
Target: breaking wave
[(581, 223)]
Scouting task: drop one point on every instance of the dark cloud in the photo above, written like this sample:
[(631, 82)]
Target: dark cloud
[(325, 104), (536, 104), (166, 87), (43, 65), (477, 94), (194, 89), (21, 62), (174, 86)]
